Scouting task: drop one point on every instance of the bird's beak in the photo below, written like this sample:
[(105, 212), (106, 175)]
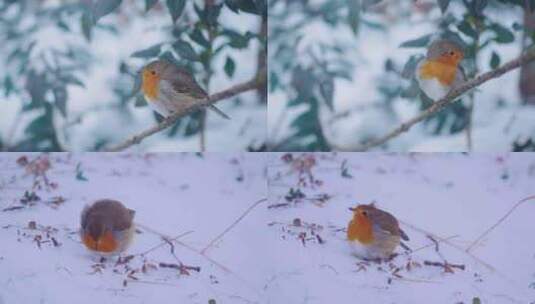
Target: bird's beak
[(351, 209)]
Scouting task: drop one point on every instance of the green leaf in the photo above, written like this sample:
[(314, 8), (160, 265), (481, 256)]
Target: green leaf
[(71, 79), (273, 82), (476, 300), (354, 15), (36, 86), (230, 67), (185, 50), (193, 125), (86, 24), (494, 60), (102, 8), (209, 14), (327, 92), (149, 4), (248, 6), (410, 67), (40, 126), (60, 99), (62, 25), (467, 29), (197, 36), (503, 34), (237, 40), (140, 101), (8, 86), (418, 42), (150, 52), (443, 4), (176, 8)]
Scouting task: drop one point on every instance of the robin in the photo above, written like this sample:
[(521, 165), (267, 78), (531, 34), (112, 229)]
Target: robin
[(374, 233), (107, 226), (439, 72), (169, 88)]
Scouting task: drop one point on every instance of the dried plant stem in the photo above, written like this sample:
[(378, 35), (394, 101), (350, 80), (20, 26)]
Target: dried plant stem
[(165, 242), (203, 251), (484, 234), (445, 241)]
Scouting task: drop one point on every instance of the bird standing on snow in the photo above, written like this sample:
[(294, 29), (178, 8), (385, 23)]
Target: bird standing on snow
[(374, 233), (107, 226)]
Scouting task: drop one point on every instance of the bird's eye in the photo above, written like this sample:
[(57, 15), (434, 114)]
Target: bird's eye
[(153, 72), (452, 53), (364, 213)]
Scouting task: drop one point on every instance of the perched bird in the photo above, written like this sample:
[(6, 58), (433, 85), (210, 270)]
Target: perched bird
[(169, 88), (439, 72), (374, 233), (107, 226)]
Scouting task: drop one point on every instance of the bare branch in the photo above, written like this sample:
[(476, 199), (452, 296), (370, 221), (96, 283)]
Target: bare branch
[(230, 92), (528, 56)]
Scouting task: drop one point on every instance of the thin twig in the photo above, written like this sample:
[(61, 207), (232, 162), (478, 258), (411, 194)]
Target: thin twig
[(177, 241), (433, 245), (484, 234), (445, 241), (415, 280), (447, 266), (165, 242), (169, 121), (439, 105), (203, 251)]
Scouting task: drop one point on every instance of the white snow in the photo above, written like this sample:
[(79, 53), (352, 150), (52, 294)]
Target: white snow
[(451, 196), (447, 195), (171, 194)]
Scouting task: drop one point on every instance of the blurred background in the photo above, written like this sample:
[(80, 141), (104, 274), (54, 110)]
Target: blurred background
[(338, 74), (70, 76)]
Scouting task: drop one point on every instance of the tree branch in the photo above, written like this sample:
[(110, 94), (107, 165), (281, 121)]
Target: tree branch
[(252, 84), (447, 100)]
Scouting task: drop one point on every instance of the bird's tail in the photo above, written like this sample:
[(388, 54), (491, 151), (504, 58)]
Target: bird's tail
[(218, 111)]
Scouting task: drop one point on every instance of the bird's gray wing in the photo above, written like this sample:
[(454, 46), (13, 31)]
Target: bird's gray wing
[(460, 77), (184, 83)]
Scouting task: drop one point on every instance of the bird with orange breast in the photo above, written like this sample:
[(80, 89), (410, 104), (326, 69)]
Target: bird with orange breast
[(373, 233), (107, 227), (169, 88), (440, 71)]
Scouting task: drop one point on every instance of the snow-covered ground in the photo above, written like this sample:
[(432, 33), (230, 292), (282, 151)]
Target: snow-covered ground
[(172, 194), (451, 196), (288, 249)]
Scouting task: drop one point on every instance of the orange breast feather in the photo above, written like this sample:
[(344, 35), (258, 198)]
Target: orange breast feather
[(360, 229), (150, 85), (106, 243), (445, 73)]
